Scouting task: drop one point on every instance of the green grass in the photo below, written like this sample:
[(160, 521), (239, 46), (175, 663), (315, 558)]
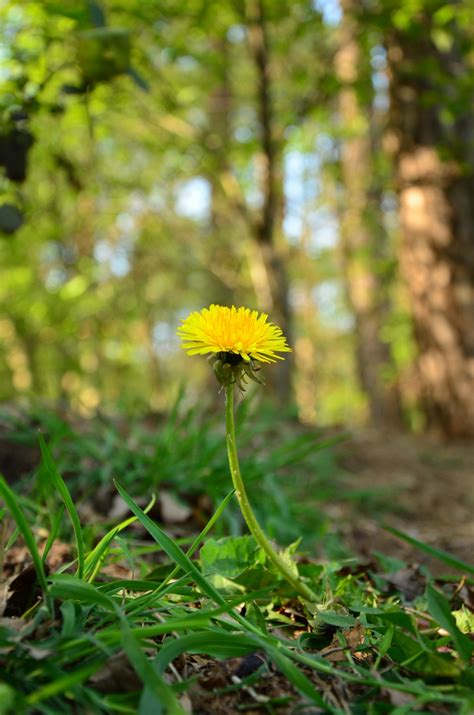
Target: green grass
[(363, 649), (183, 453)]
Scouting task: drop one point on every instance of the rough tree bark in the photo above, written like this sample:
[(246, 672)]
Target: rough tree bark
[(363, 237), (435, 171)]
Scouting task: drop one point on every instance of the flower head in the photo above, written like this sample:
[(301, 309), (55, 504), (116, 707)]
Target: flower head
[(235, 338)]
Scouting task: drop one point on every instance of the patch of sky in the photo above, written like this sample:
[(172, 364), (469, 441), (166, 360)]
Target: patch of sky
[(254, 196), (116, 256), (196, 116), (236, 34), (390, 211), (4, 55), (325, 230), (327, 147), (243, 134), (389, 202), (302, 186), (330, 10), (55, 278), (107, 145), (193, 199), (103, 251), (378, 60), (187, 63), (297, 296), (301, 180), (125, 222), (165, 340), (137, 203), (328, 296)]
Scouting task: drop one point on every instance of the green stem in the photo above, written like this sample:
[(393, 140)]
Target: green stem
[(246, 509)]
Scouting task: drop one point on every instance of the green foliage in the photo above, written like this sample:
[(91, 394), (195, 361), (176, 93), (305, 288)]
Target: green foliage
[(103, 53), (184, 452), (440, 608), (104, 246), (55, 662)]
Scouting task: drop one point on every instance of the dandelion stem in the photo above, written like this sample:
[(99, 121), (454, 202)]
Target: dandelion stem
[(246, 509)]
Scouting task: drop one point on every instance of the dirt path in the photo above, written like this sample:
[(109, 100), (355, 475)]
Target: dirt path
[(425, 489)]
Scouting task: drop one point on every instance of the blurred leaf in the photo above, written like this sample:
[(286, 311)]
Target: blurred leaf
[(11, 218), (440, 609), (443, 556), (97, 13), (103, 53)]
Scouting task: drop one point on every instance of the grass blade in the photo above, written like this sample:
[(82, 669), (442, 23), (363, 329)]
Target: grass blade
[(96, 557), (61, 487), (60, 685), (218, 645), (15, 510), (66, 587), (171, 548), (202, 535), (432, 551), (180, 558), (53, 532), (158, 692), (297, 678)]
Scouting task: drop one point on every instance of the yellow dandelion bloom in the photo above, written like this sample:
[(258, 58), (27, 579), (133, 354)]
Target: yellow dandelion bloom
[(238, 331)]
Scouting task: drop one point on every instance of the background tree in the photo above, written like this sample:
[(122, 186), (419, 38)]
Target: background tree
[(429, 50), (364, 240), (169, 156)]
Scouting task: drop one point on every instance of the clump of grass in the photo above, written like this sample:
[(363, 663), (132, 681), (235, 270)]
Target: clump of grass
[(183, 452), (363, 648)]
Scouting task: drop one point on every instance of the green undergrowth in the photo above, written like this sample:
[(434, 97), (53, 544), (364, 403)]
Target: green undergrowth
[(184, 452), (131, 618)]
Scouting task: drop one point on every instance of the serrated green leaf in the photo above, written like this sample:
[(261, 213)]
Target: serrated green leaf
[(230, 557), (339, 620)]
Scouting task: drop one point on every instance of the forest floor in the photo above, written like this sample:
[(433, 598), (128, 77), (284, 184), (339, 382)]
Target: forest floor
[(387, 638), (426, 489)]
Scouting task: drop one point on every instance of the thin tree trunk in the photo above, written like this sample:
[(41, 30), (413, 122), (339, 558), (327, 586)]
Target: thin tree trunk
[(435, 172), (363, 237), (269, 269), (222, 221)]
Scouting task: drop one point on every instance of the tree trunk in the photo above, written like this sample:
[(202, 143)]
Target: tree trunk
[(363, 238), (435, 171), (268, 267), (221, 257)]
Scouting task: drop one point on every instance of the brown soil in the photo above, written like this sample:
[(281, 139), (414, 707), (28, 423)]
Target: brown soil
[(425, 489)]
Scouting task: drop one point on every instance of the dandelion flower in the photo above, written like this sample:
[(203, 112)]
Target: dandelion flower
[(237, 340), (240, 332)]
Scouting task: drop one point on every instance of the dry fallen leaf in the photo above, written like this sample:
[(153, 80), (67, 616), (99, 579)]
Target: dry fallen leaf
[(172, 510)]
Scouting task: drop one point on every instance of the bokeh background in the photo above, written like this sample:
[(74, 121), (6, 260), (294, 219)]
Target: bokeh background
[(312, 159)]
